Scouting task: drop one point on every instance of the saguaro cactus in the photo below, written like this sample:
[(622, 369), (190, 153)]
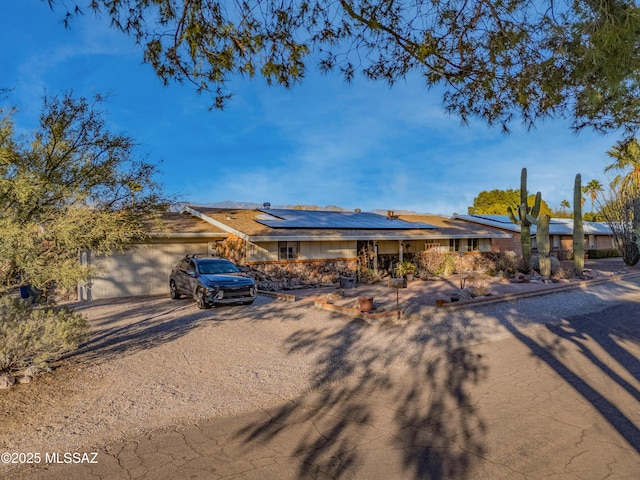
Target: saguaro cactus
[(578, 230), (527, 216), (542, 237)]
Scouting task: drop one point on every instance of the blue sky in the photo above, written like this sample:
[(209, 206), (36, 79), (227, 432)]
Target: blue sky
[(362, 145)]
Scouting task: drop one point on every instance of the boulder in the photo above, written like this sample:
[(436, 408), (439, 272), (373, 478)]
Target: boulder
[(7, 381), (555, 264)]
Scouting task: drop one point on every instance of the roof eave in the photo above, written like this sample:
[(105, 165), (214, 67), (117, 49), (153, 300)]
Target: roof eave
[(218, 224)]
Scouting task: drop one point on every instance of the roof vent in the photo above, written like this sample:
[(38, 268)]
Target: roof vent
[(266, 205), (391, 215), (358, 210)]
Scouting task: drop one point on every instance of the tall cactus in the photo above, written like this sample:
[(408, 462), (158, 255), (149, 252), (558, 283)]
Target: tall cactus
[(542, 237), (578, 230), (527, 216)]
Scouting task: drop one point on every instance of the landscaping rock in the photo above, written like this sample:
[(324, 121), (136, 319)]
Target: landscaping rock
[(7, 381), (32, 371)]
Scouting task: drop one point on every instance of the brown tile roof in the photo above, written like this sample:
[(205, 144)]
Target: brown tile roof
[(176, 224), (243, 223)]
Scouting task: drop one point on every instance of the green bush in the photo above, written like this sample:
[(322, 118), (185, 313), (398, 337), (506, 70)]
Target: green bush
[(611, 253), (406, 268), (449, 264), (36, 335)]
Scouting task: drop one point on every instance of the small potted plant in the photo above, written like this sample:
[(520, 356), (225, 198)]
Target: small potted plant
[(406, 269), (366, 304)]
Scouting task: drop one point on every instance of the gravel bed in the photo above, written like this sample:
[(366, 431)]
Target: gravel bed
[(153, 362)]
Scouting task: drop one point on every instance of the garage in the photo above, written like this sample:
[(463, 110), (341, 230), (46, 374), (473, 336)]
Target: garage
[(144, 268)]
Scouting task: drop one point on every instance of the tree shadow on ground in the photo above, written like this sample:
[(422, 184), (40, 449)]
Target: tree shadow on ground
[(598, 338), (127, 326), (416, 386)]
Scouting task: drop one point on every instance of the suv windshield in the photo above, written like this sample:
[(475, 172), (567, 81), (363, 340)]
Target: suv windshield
[(214, 267)]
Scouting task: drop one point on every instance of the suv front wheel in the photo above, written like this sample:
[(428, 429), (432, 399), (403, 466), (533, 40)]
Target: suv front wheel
[(201, 299), (173, 290)]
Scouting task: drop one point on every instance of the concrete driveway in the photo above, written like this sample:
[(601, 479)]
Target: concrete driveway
[(552, 393)]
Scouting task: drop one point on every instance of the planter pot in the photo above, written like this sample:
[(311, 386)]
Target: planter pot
[(366, 304), (409, 277)]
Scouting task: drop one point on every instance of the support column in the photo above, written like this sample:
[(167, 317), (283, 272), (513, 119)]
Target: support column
[(375, 257), (401, 249)]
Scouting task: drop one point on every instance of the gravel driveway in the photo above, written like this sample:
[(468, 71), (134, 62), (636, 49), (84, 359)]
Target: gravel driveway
[(154, 362)]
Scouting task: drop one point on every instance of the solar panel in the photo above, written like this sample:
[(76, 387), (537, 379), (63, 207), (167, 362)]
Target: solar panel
[(283, 218)]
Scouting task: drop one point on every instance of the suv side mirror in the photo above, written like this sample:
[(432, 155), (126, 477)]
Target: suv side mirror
[(191, 273)]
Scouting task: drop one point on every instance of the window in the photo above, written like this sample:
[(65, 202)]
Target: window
[(473, 244), (454, 244), (287, 250)]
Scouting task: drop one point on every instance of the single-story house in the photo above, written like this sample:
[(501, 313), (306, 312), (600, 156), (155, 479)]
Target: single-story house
[(281, 248), (597, 235)]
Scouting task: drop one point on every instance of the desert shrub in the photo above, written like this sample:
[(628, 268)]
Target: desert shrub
[(565, 272), (36, 335), (565, 255), (483, 263), (478, 284), (505, 264), (449, 264), (367, 276), (611, 253), (430, 263)]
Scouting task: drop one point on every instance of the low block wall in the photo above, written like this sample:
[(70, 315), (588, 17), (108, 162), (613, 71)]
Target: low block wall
[(275, 276)]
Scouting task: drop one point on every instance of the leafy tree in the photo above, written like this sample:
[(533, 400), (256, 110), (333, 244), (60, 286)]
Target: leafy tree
[(621, 204), (621, 210), (593, 188), (499, 61), (70, 186), (564, 210), (36, 336), (627, 159), (495, 202)]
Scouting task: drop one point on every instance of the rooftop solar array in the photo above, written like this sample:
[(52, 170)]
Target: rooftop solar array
[(283, 218), (557, 226)]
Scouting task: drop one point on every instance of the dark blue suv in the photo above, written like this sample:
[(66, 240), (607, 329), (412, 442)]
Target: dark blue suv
[(211, 281)]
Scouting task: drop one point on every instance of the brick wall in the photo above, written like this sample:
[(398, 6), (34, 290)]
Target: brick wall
[(507, 244)]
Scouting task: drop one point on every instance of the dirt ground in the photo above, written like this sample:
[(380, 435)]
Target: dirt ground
[(156, 362)]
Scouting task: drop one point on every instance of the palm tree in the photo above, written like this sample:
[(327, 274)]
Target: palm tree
[(627, 159), (564, 205), (593, 188)]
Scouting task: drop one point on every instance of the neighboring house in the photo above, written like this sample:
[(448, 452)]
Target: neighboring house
[(281, 248), (597, 235)]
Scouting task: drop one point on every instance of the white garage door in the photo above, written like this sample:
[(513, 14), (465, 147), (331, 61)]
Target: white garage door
[(143, 270)]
